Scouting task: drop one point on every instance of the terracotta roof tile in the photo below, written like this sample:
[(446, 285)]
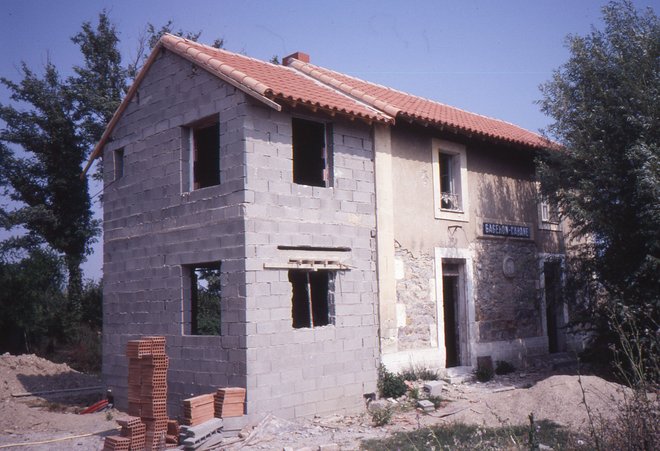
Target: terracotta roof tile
[(403, 105), (303, 83), (270, 80)]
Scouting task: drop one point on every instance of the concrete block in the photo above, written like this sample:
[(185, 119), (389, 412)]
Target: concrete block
[(425, 405), (434, 388)]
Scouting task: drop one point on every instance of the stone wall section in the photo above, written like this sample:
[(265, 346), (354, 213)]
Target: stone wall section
[(416, 301), (507, 298), (152, 228), (304, 371)]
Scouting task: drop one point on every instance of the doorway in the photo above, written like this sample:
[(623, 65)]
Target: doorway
[(453, 306), (554, 306)]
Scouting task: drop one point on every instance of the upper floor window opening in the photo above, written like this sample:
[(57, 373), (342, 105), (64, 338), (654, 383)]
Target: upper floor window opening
[(549, 216), (450, 197), (450, 179), (311, 155), (203, 154), (119, 163)]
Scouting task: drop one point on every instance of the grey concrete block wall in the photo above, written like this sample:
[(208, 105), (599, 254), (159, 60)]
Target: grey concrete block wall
[(298, 372), (153, 226)]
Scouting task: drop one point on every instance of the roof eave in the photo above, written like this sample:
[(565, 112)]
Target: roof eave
[(163, 43), (468, 132), (98, 149)]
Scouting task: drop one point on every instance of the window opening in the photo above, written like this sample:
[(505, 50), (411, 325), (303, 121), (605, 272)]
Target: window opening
[(548, 213), (205, 145), (450, 199), (119, 163), (205, 299), (311, 304), (310, 153)]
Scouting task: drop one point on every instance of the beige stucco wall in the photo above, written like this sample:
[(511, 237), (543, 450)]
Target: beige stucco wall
[(501, 189)]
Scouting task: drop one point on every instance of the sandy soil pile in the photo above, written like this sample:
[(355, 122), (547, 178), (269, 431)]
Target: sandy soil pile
[(37, 418)]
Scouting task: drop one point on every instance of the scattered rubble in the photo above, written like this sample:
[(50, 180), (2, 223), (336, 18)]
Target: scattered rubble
[(505, 399)]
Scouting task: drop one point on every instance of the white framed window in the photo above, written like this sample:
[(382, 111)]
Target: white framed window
[(450, 181), (548, 217)]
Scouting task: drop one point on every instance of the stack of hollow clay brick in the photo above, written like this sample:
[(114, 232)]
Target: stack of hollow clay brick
[(229, 402), (134, 429), (197, 410), (116, 443)]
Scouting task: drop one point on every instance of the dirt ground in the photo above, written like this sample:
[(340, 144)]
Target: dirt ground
[(506, 400)]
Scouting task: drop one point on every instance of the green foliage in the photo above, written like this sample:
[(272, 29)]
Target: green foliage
[(605, 102), (504, 367), (34, 316), (31, 301), (43, 179), (390, 385), (381, 416), (208, 301), (463, 437), (532, 436), (149, 39), (419, 372), (437, 401), (484, 373), (101, 82)]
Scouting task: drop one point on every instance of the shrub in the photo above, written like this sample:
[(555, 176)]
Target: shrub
[(381, 415), (484, 373), (504, 367), (419, 373), (437, 401), (390, 385)]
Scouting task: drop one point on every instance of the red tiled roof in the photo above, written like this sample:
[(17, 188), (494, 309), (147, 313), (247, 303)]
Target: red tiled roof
[(400, 104), (270, 80), (318, 88)]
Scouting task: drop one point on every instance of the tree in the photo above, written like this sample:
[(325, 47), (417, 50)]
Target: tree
[(101, 82), (150, 37), (44, 177), (30, 300), (605, 179)]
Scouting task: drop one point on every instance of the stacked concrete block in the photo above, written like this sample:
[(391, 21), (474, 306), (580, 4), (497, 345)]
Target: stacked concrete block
[(229, 402), (303, 371), (193, 437), (154, 226), (198, 410)]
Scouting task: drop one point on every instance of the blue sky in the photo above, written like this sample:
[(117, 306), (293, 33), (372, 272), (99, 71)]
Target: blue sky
[(485, 56)]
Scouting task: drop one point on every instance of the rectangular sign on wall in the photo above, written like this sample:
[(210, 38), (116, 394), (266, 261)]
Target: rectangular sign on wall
[(515, 231)]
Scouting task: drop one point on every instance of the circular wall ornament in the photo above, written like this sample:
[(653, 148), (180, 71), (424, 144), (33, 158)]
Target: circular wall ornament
[(509, 266)]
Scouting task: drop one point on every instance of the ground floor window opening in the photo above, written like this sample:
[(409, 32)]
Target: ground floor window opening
[(312, 301), (204, 299)]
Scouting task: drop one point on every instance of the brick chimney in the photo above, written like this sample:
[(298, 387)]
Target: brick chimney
[(300, 56)]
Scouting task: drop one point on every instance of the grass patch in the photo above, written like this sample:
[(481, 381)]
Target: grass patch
[(459, 436)]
